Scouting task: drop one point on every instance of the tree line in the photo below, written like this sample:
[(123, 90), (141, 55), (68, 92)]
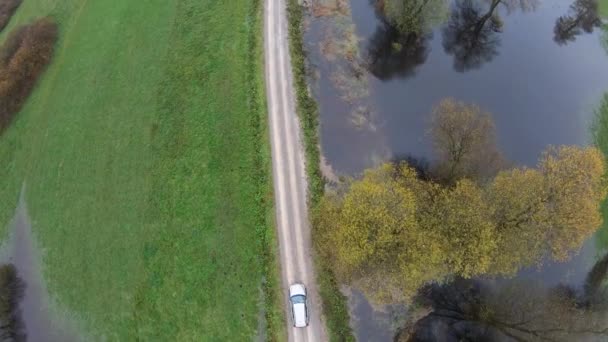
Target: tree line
[(392, 231)]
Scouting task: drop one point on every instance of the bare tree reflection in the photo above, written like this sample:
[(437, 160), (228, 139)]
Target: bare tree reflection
[(583, 17), (12, 290), (471, 35), (472, 32), (472, 310), (394, 54)]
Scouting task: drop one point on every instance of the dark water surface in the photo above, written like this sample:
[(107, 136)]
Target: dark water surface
[(541, 89), (538, 91)]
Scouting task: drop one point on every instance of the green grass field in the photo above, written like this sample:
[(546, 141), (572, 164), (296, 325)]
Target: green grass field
[(600, 133), (603, 8), (145, 156)]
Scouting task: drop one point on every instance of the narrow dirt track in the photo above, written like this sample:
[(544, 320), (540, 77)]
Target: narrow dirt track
[(289, 175)]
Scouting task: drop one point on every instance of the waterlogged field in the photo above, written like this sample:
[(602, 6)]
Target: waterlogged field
[(144, 154)]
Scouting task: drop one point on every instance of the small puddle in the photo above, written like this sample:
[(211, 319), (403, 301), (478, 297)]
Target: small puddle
[(36, 313)]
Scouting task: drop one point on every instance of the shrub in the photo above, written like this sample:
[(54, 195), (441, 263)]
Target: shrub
[(7, 9), (23, 57)]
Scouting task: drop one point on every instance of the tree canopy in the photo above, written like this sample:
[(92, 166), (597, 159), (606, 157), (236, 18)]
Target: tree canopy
[(464, 141), (391, 232)]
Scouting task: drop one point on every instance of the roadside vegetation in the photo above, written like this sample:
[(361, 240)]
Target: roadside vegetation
[(396, 229), (145, 155), (7, 9), (334, 302)]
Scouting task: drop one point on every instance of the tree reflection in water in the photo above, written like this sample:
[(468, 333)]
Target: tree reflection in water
[(394, 54), (471, 35), (12, 289), (474, 310), (583, 17)]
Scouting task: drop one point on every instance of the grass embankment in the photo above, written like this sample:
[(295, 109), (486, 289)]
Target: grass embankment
[(145, 155), (334, 303)]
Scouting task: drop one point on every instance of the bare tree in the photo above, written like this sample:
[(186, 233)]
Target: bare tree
[(464, 141)]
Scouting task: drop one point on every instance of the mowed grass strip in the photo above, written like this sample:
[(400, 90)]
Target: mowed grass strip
[(146, 163)]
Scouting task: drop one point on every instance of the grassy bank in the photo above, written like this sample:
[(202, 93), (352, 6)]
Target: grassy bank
[(600, 135), (603, 8), (145, 154), (334, 303)]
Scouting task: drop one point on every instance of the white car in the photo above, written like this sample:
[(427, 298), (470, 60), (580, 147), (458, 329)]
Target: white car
[(299, 307)]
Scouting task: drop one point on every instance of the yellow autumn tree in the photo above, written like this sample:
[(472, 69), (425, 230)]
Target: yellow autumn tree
[(392, 227), (521, 218), (373, 230), (574, 186), (390, 232), (461, 216), (550, 210)]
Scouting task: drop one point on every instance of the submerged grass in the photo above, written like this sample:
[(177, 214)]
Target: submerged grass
[(145, 153), (334, 302)]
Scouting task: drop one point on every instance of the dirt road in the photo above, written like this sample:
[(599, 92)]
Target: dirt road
[(290, 184)]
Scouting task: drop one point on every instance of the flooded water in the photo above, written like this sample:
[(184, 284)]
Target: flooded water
[(36, 313), (540, 69), (539, 91)]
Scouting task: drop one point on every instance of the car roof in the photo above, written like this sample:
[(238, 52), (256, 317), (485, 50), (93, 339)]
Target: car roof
[(299, 315), (297, 289)]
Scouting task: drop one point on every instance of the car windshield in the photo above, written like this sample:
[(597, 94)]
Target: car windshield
[(298, 299)]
